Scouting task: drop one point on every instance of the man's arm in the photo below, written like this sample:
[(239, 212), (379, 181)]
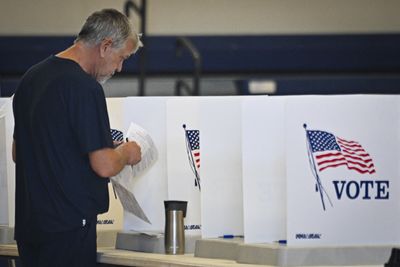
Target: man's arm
[(108, 162), (14, 155)]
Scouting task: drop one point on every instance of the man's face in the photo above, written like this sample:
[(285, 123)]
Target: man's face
[(112, 60)]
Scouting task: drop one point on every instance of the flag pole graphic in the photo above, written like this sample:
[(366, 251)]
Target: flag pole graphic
[(318, 185), (191, 160)]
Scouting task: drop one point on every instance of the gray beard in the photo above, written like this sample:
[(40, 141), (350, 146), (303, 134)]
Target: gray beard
[(104, 80)]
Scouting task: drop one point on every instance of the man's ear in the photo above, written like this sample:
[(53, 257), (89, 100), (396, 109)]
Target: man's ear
[(105, 47)]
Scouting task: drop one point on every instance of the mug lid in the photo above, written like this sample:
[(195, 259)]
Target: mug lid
[(175, 205)]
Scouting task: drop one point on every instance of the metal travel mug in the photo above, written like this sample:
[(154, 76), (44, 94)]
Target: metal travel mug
[(174, 236)]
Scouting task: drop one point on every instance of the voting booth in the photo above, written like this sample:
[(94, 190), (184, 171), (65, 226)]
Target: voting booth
[(174, 175), (352, 195), (171, 177), (199, 161), (331, 161), (211, 182), (181, 127), (320, 176)]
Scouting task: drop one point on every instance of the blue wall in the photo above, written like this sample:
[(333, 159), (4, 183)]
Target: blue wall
[(355, 56)]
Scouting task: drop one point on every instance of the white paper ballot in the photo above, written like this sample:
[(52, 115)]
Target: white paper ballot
[(129, 202), (124, 181), (148, 149)]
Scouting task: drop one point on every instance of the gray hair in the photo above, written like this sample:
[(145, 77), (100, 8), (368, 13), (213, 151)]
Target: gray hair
[(107, 23)]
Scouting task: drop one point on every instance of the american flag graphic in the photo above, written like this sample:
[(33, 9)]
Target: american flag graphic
[(331, 151), (117, 135), (192, 138), (194, 143)]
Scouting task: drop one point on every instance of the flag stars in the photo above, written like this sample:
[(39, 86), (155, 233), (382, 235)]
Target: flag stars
[(117, 135), (322, 141), (334, 152), (194, 139)]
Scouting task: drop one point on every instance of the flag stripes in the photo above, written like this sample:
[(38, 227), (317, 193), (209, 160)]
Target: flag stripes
[(192, 138), (331, 152)]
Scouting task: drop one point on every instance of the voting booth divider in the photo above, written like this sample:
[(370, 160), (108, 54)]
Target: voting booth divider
[(264, 174), (7, 169), (221, 149), (7, 172)]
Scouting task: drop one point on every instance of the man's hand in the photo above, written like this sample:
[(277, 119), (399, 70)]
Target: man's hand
[(132, 152)]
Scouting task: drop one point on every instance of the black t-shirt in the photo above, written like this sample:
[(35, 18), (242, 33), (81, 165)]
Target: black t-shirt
[(60, 116)]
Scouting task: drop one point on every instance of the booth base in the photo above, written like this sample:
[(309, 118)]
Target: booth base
[(6, 235), (281, 255), (218, 248), (287, 256), (106, 238), (149, 242)]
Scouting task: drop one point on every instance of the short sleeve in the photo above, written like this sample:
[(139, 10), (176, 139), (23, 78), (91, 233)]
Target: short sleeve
[(89, 119)]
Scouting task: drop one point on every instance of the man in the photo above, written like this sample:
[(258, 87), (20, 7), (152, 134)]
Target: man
[(63, 148)]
